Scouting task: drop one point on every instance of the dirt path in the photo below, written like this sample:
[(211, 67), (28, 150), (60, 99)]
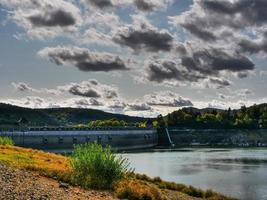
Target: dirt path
[(16, 184)]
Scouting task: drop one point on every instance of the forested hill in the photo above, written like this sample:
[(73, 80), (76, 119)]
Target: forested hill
[(246, 117), (190, 117), (11, 115)]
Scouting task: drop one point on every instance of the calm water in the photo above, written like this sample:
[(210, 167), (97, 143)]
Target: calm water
[(241, 173)]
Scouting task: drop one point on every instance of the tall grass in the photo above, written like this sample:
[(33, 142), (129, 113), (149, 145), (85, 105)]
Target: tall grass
[(97, 167), (6, 141)]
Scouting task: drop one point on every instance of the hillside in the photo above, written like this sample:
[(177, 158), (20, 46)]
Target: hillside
[(252, 117), (10, 116)]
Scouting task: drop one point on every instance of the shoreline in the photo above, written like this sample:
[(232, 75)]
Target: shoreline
[(44, 164)]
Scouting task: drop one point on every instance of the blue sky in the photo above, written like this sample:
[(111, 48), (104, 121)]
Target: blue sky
[(138, 57)]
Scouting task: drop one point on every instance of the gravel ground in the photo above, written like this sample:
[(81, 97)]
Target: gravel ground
[(17, 184)]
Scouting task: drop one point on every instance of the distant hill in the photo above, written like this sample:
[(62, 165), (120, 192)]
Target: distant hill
[(252, 117), (10, 115)]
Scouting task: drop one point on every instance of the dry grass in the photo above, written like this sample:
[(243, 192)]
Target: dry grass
[(47, 164), (132, 187), (189, 190), (138, 190)]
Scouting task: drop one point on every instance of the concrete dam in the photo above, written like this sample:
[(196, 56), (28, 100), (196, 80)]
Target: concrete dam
[(62, 140)]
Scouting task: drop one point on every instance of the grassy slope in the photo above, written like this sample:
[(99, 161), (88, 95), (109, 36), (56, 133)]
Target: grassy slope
[(134, 186)]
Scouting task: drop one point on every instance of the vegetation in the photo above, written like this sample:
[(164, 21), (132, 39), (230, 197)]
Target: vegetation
[(18, 117), (97, 167), (131, 186), (48, 164), (109, 122), (121, 123), (190, 190), (134, 189), (6, 141), (245, 118)]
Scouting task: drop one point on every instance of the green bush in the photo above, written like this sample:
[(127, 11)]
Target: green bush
[(97, 167), (6, 141)]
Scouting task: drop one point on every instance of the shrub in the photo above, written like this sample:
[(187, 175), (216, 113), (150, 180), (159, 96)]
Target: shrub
[(193, 191), (6, 141), (137, 190), (97, 167)]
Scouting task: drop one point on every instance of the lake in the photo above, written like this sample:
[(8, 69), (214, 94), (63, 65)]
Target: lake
[(240, 173)]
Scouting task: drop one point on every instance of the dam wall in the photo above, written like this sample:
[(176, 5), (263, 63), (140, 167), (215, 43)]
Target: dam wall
[(218, 137), (63, 140)]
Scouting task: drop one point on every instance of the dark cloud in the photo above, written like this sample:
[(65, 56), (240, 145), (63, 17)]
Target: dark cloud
[(164, 70), (219, 83), (53, 18), (209, 15), (220, 60), (210, 61), (84, 92), (144, 38), (100, 3), (229, 22), (138, 107), (195, 64), (252, 47), (199, 32), (238, 13), (90, 88), (117, 105), (83, 59), (167, 98), (86, 102), (45, 19), (145, 5)]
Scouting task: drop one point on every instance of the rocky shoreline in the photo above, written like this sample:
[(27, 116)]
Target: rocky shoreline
[(19, 184)]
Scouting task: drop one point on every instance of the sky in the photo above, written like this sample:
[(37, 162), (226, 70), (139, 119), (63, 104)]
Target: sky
[(137, 57)]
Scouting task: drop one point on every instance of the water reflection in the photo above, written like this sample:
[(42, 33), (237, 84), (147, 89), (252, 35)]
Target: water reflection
[(241, 173)]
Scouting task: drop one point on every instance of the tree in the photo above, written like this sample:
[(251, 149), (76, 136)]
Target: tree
[(161, 121)]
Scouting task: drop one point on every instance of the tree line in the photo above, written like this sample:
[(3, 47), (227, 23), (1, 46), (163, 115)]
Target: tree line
[(245, 117)]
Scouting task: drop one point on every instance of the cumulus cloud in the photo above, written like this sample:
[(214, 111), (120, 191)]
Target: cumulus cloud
[(220, 83), (161, 70), (138, 106), (22, 87), (90, 88), (141, 35), (243, 92), (239, 23), (194, 61), (101, 4), (29, 101), (43, 19), (152, 5), (83, 59), (166, 98), (252, 46), (52, 18), (199, 32), (236, 94), (211, 15), (93, 36), (88, 102)]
